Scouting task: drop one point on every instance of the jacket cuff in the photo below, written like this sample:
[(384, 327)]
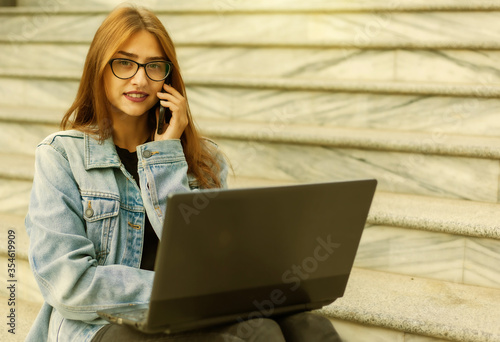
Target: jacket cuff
[(165, 151)]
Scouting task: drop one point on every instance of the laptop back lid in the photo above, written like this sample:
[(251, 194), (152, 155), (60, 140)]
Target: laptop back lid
[(244, 253)]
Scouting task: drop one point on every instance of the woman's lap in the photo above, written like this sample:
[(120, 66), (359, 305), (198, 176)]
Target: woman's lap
[(258, 330), (306, 326), (300, 327)]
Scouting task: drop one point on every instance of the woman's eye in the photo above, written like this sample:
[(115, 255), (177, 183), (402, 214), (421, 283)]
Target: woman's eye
[(125, 63)]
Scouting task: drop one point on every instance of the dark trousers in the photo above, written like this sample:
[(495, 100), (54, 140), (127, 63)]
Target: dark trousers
[(301, 327)]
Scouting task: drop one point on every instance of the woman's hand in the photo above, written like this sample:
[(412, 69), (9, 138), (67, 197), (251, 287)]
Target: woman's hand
[(177, 104)]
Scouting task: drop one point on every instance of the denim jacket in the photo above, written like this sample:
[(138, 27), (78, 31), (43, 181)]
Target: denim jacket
[(86, 226)]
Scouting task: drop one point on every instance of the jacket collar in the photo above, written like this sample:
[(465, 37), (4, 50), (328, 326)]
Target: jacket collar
[(100, 154)]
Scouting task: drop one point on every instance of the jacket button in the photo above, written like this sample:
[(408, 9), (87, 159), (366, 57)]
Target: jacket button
[(146, 154), (89, 212)]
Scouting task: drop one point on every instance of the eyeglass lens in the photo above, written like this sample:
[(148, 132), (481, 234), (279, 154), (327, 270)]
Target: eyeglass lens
[(124, 68)]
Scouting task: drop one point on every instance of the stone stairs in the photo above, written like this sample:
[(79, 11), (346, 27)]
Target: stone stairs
[(406, 92)]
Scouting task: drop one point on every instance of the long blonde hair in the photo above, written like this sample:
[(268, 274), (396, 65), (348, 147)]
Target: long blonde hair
[(89, 112)]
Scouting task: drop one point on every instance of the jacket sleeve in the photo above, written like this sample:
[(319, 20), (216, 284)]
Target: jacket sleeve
[(61, 256), (163, 170)]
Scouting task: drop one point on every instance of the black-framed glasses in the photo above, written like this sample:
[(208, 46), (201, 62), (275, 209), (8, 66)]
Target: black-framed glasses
[(126, 68)]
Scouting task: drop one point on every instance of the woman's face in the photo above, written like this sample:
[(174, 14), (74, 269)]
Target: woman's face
[(136, 95)]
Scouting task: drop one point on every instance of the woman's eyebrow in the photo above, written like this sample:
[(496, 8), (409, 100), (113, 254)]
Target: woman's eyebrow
[(133, 55)]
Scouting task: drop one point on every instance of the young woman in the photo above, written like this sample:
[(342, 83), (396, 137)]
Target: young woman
[(99, 192)]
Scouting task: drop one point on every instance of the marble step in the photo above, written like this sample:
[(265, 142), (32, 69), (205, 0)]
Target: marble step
[(437, 108), (37, 123), (468, 90), (426, 28), (440, 256), (438, 165), (419, 306), (14, 196), (364, 139), (289, 6), (410, 66), (449, 240), (415, 163), (355, 332), (400, 172), (17, 166), (22, 131)]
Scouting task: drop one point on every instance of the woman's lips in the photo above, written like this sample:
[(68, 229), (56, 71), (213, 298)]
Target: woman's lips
[(136, 96)]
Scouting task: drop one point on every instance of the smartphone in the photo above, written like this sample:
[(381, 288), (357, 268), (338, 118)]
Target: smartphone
[(164, 117), (165, 113)]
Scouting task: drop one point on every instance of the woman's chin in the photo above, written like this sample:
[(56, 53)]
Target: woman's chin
[(131, 112)]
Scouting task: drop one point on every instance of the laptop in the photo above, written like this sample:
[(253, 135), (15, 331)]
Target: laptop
[(228, 255)]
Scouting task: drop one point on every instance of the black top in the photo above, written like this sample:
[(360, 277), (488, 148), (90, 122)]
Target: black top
[(130, 161)]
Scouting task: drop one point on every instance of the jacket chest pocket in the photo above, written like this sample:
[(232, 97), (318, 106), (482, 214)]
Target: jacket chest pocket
[(101, 219)]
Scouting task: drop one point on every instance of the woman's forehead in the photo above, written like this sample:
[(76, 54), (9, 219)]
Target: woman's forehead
[(143, 46)]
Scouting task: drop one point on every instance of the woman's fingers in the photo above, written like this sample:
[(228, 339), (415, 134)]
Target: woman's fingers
[(177, 104)]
